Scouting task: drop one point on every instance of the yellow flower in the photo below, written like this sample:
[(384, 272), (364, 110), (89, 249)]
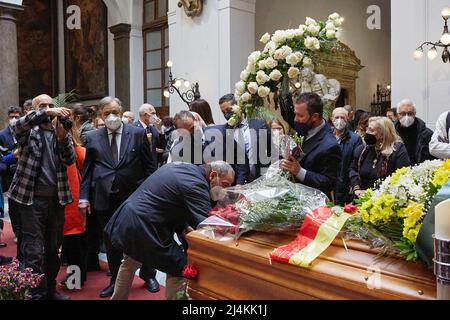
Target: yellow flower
[(412, 234), (397, 175), (413, 213), (441, 177), (446, 165)]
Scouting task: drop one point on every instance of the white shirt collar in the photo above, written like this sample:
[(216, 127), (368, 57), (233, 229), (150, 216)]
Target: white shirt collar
[(143, 124)]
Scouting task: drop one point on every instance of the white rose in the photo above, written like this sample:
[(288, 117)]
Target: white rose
[(270, 47), (237, 94), (279, 36), (338, 22), (262, 64), (262, 77), (293, 72), (330, 25), (290, 34), (263, 91), (244, 75), (334, 16), (270, 63), (282, 53), (302, 28), (310, 21), (251, 69), (265, 38), (240, 86), (254, 56), (314, 29), (307, 62), (312, 43), (246, 97), (294, 58), (275, 75), (252, 87), (331, 34)]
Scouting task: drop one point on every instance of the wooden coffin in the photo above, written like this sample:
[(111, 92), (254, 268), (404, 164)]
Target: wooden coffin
[(243, 271)]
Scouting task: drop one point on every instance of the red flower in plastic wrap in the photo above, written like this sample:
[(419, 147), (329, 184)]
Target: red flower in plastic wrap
[(190, 272), (350, 208)]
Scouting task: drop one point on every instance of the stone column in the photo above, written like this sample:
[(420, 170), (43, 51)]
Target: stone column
[(122, 62), (9, 70)]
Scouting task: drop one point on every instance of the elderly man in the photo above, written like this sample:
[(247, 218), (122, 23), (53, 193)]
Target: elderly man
[(413, 132), (128, 117), (175, 199), (117, 162), (150, 122), (41, 190), (348, 141), (319, 165), (439, 144)]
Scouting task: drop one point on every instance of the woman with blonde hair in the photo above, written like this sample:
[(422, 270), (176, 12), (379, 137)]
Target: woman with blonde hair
[(382, 154)]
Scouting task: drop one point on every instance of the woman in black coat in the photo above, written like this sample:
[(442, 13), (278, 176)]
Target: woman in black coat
[(382, 154)]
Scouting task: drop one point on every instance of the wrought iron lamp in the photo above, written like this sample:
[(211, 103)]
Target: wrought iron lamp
[(444, 42), (191, 92)]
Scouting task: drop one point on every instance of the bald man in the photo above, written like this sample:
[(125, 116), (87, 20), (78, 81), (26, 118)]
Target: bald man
[(128, 117), (41, 190)]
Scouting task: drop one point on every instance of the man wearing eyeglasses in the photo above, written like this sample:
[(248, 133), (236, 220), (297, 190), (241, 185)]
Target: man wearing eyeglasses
[(41, 190), (413, 132)]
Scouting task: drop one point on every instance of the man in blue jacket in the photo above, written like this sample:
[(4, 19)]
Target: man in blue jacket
[(348, 141), (321, 157)]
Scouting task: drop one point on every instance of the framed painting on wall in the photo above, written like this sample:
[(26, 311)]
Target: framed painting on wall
[(86, 51), (37, 40)]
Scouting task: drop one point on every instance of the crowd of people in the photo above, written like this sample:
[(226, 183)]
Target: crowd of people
[(83, 178)]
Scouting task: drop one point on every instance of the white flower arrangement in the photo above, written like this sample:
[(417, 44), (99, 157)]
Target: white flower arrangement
[(285, 53)]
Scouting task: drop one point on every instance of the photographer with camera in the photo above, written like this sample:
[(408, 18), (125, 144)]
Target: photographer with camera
[(40, 188)]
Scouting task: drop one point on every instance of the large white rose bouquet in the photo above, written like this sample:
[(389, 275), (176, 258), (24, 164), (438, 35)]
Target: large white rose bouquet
[(278, 66)]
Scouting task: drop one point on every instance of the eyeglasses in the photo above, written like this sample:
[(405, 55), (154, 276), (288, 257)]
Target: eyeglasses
[(403, 114)]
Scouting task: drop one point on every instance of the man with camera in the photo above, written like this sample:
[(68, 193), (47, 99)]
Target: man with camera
[(41, 190)]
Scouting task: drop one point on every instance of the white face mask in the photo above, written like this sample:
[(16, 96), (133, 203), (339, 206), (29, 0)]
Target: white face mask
[(113, 122), (125, 120), (12, 122), (407, 121), (340, 124)]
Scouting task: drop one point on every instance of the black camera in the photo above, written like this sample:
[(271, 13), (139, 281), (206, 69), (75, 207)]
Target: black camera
[(66, 123)]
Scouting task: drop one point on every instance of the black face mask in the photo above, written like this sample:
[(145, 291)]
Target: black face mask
[(370, 139), (228, 115)]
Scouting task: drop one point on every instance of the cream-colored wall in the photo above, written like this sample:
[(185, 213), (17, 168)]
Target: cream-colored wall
[(373, 47)]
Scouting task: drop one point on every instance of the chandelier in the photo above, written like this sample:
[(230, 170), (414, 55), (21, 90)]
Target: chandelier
[(444, 42)]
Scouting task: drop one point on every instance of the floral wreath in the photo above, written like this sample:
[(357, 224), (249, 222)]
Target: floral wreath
[(279, 65)]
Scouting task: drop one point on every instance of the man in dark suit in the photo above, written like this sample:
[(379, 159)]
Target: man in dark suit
[(117, 162), (249, 140), (320, 161), (8, 141), (174, 199), (148, 120)]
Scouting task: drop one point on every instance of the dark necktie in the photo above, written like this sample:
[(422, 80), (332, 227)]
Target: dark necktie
[(114, 149)]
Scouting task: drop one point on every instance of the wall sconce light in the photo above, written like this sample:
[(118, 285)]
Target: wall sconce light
[(444, 42), (191, 92)]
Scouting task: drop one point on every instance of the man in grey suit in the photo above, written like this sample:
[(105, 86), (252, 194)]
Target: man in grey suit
[(117, 162)]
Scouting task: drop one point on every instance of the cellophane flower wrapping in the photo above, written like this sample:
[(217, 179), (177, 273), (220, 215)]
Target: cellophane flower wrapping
[(271, 203)]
